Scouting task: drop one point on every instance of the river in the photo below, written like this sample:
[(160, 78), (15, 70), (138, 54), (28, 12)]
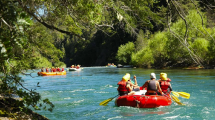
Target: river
[(77, 95)]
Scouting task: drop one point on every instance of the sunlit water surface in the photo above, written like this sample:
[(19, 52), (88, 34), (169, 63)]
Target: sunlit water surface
[(77, 95)]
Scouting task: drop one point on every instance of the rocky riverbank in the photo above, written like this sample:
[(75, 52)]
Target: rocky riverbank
[(13, 109)]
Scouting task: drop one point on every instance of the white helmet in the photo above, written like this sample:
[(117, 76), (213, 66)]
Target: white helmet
[(152, 75)]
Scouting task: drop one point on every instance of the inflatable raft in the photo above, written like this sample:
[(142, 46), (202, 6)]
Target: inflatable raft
[(51, 73), (145, 101), (74, 69)]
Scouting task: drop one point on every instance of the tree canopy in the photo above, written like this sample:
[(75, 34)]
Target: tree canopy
[(46, 33)]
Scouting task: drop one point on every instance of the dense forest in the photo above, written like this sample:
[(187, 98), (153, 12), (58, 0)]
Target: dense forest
[(60, 33)]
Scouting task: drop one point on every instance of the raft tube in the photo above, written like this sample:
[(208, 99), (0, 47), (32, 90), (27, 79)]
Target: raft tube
[(51, 73), (145, 101)]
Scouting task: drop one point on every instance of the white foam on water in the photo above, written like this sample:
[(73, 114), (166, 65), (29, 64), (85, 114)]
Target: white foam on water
[(67, 98), (172, 117), (101, 92), (79, 101), (82, 90), (115, 117)]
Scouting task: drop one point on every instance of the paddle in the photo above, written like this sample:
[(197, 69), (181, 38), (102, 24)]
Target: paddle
[(175, 94), (105, 102), (175, 99), (184, 95)]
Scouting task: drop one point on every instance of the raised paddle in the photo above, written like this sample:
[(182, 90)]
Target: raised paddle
[(184, 95), (175, 93), (105, 102)]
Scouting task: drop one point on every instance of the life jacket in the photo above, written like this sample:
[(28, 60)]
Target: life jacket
[(47, 70), (122, 86), (168, 80), (62, 69), (164, 85), (152, 85)]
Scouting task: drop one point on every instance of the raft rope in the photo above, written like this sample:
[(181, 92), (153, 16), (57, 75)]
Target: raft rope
[(146, 99), (141, 98)]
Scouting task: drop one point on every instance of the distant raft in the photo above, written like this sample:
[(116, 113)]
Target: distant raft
[(74, 69), (51, 73)]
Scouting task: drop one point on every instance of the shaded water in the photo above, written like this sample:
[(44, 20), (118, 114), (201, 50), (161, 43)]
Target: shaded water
[(78, 94)]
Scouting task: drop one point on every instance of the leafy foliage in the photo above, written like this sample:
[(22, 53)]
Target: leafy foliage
[(164, 49), (124, 53)]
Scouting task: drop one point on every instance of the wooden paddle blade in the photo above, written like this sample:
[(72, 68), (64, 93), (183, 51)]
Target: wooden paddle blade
[(184, 95), (175, 94)]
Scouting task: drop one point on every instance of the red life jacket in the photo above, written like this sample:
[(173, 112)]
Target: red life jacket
[(164, 85), (62, 69), (47, 70), (168, 80), (122, 86)]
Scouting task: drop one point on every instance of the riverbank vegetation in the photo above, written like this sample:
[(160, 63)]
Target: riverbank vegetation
[(35, 34)]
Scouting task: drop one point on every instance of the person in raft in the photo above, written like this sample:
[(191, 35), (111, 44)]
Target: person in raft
[(124, 88), (42, 69), (62, 69), (58, 69), (165, 83), (152, 85), (78, 66), (134, 84), (47, 69)]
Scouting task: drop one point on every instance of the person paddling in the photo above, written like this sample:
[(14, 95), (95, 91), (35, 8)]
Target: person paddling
[(152, 85), (165, 83), (124, 87), (134, 84)]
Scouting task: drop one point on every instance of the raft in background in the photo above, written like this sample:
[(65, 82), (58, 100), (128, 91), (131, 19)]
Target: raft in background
[(51, 73), (124, 66), (74, 69)]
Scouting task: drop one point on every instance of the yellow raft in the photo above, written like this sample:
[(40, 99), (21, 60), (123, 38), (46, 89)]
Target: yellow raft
[(51, 73)]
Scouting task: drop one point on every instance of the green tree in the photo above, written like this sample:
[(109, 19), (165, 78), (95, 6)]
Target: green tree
[(124, 53)]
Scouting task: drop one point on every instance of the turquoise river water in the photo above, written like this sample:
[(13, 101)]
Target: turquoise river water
[(77, 95)]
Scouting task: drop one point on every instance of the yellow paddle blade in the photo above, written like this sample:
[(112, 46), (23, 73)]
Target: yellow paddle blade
[(184, 95), (175, 99), (175, 94), (179, 103), (105, 102)]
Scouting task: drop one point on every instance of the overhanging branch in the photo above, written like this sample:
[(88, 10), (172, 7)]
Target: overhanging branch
[(52, 27)]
